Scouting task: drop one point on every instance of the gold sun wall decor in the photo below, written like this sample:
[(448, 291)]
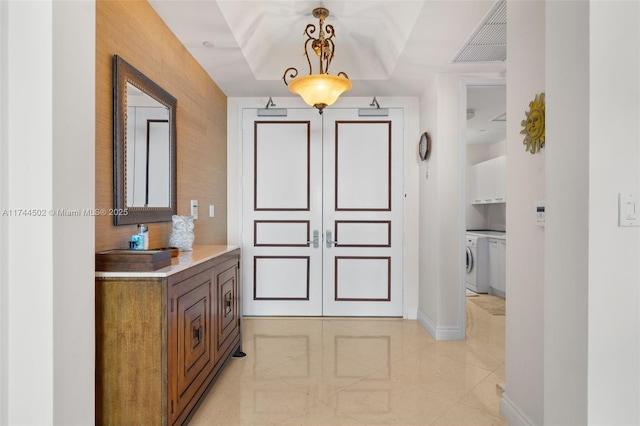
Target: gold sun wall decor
[(533, 126)]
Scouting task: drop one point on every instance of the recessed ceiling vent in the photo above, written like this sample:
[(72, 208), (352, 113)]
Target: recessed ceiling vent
[(488, 43)]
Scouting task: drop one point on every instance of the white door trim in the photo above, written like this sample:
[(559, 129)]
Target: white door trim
[(410, 184)]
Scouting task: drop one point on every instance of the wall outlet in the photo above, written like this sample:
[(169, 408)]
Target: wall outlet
[(212, 211), (194, 209)]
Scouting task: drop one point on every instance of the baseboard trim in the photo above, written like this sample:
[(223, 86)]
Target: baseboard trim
[(439, 333), (412, 313), (512, 414)]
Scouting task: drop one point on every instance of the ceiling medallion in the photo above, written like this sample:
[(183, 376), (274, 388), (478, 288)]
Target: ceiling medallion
[(533, 126), (318, 90)]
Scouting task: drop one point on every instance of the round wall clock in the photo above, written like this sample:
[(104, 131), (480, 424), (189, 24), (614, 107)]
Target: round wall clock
[(424, 146)]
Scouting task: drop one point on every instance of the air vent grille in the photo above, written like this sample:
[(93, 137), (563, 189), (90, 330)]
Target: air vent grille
[(488, 43)]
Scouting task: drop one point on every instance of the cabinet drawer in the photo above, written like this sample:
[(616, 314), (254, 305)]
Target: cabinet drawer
[(227, 298)]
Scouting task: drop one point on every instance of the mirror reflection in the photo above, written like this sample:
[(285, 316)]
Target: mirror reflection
[(148, 150), (144, 130)]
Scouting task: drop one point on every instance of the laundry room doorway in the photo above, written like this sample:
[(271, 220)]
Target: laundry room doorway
[(322, 213), (484, 145)]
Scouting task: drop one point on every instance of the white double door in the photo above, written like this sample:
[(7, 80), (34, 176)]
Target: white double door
[(322, 213)]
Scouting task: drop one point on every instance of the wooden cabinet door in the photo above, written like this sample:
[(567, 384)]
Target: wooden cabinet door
[(227, 317), (193, 331)]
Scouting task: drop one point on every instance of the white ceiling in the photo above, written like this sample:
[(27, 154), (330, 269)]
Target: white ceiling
[(387, 47), (488, 105)]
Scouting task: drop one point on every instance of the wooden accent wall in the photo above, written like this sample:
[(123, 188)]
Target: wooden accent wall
[(133, 30)]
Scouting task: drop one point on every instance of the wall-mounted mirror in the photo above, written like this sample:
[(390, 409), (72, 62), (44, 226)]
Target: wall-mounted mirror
[(144, 147)]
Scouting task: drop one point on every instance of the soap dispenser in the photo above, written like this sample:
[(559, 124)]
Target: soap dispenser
[(143, 230)]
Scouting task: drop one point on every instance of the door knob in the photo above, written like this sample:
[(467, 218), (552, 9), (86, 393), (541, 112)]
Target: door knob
[(330, 242), (316, 239)]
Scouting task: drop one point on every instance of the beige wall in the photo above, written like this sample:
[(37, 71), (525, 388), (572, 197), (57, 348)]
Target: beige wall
[(132, 30)]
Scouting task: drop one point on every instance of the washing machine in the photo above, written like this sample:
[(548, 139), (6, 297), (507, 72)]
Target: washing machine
[(477, 263)]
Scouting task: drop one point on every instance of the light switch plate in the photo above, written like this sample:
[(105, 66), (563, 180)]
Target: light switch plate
[(540, 213), (194, 209), (628, 209), (212, 211)]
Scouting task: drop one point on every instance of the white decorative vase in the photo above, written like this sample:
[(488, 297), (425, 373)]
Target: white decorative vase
[(182, 232)]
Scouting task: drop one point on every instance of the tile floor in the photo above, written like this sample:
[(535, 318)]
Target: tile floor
[(344, 371)]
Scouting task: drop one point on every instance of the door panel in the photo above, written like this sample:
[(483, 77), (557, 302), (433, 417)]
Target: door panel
[(362, 165), (281, 278), (281, 233), (362, 278), (362, 233), (363, 201), (282, 150), (282, 198), (322, 225)]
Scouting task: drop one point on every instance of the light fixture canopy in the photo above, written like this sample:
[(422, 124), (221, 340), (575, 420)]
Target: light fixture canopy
[(318, 90)]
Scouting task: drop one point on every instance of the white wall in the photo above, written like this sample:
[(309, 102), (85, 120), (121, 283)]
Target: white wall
[(590, 306), (411, 136), (441, 212), (47, 333), (4, 222), (567, 228), (442, 205), (592, 303), (429, 267), (614, 252), (497, 217), (523, 398), (73, 187)]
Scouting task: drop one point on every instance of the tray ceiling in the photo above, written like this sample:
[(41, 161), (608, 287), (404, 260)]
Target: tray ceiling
[(388, 48)]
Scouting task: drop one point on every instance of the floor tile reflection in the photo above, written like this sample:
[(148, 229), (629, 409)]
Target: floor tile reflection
[(337, 371)]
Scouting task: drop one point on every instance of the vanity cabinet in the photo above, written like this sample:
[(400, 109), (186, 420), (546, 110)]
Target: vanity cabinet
[(163, 336)]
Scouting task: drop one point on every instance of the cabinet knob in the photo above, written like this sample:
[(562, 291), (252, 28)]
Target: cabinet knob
[(197, 334), (227, 303)]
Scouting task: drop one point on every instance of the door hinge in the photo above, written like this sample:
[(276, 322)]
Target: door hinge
[(172, 305), (172, 406)]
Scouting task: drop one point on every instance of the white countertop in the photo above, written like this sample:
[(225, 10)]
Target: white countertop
[(498, 235), (184, 260)]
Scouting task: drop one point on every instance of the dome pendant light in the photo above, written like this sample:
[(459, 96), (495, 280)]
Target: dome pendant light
[(318, 90)]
